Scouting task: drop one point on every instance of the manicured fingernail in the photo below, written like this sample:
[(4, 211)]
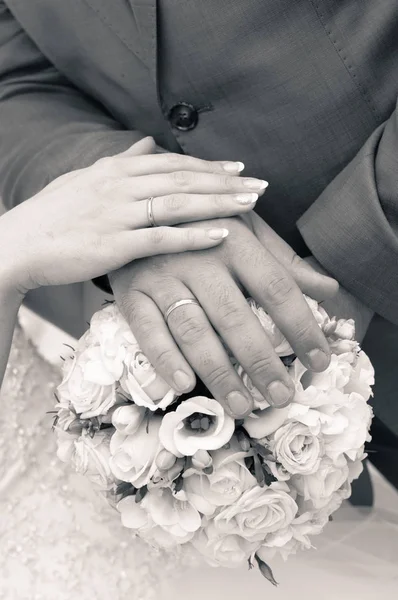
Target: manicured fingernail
[(182, 381), (238, 404), (318, 360), (246, 198), (255, 184), (217, 234), (279, 395), (233, 167)]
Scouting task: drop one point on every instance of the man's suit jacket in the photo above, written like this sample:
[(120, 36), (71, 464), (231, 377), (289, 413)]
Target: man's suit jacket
[(303, 92)]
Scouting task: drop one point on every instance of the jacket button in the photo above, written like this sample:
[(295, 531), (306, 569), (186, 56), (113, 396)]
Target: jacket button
[(183, 116)]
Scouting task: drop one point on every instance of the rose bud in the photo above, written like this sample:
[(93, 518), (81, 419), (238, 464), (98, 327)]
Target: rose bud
[(201, 460), (165, 460), (266, 571)]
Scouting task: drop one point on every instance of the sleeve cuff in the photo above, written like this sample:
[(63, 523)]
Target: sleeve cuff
[(349, 234)]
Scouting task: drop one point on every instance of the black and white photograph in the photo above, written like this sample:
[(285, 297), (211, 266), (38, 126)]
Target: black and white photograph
[(198, 299)]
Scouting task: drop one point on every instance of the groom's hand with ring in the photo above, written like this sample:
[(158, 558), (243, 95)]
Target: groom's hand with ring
[(147, 289)]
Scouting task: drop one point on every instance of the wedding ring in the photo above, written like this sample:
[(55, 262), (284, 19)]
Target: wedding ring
[(178, 304), (149, 210)]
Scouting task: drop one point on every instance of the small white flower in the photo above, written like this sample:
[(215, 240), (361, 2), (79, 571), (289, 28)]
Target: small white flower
[(258, 512), (133, 457), (91, 458), (177, 437), (229, 479), (141, 382), (220, 550), (87, 386), (298, 448), (127, 419)]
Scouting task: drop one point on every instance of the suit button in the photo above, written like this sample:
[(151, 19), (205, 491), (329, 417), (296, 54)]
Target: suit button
[(183, 116)]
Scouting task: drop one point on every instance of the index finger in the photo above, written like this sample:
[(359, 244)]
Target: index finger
[(169, 162)]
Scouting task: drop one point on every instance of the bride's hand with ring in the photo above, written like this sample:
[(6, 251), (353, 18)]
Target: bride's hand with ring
[(94, 220)]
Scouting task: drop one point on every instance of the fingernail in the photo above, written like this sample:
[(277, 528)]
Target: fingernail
[(279, 395), (238, 404), (233, 167), (318, 360), (246, 198), (255, 184), (217, 234), (182, 381)]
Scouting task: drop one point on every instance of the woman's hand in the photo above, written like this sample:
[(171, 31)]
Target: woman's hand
[(95, 220)]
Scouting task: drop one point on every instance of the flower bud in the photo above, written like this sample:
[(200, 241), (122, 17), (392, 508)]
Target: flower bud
[(128, 418), (243, 440), (266, 571), (165, 460), (201, 460)]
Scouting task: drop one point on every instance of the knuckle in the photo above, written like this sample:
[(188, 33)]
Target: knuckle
[(157, 235), (231, 315), (190, 236), (261, 365), (218, 200), (218, 376), (183, 179), (175, 202), (278, 289), (296, 261), (304, 330), (228, 182), (106, 164), (161, 358), (174, 161), (191, 330)]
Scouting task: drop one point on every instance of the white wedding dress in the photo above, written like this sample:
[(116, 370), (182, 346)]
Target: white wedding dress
[(58, 539)]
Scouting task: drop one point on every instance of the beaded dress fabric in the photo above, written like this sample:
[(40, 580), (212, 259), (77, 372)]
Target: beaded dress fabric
[(58, 538)]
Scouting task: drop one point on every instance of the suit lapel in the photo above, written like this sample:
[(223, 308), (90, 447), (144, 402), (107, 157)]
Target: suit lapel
[(134, 23)]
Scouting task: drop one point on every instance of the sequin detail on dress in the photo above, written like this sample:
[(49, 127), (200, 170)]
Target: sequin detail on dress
[(59, 540)]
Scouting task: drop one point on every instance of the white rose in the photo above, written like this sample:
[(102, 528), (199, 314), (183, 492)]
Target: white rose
[(362, 377), (65, 445), (262, 423), (257, 512), (279, 544), (127, 419), (135, 517), (353, 418), (177, 435), (179, 519), (91, 458), (337, 375), (133, 457), (298, 448), (221, 550), (230, 478), (112, 335), (87, 387), (141, 382), (320, 486), (343, 329)]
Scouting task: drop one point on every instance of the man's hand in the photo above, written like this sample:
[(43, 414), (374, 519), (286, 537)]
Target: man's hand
[(145, 289)]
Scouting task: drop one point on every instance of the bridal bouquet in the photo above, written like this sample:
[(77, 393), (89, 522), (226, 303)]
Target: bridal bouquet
[(181, 472)]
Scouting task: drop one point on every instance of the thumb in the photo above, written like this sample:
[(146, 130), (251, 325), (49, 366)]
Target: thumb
[(145, 146)]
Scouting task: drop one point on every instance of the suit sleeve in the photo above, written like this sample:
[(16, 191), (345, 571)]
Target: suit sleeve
[(47, 126), (352, 228)]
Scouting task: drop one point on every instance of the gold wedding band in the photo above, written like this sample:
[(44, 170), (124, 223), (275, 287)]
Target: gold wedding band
[(179, 303), (149, 210)]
